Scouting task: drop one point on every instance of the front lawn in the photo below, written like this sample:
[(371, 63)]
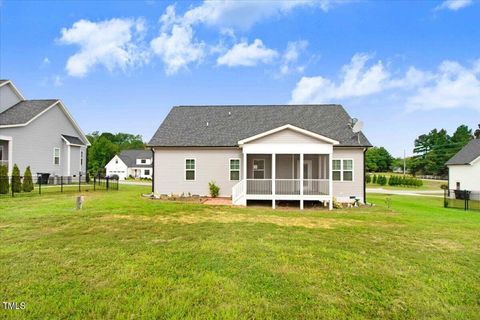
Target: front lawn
[(123, 256)]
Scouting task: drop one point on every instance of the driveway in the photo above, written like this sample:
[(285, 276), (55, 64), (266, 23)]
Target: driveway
[(135, 183)]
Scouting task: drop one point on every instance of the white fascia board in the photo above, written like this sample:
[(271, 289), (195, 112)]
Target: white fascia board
[(291, 127), (15, 90)]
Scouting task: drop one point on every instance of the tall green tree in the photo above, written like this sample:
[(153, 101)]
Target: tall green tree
[(4, 183), (378, 159), (16, 181), (477, 132), (27, 185)]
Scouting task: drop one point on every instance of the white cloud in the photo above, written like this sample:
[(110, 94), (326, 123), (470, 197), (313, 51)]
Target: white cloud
[(453, 86), (356, 81), (247, 55), (114, 43), (45, 61), (450, 86), (454, 4), (177, 48), (244, 14), (291, 55), (57, 81)]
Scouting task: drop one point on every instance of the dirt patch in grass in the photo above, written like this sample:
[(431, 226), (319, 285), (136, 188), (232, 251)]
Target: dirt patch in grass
[(305, 222)]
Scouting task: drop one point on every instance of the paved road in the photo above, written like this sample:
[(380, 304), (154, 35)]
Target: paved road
[(136, 183), (420, 193)]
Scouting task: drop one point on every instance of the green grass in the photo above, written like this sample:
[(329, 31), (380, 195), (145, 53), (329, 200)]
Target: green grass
[(123, 256)]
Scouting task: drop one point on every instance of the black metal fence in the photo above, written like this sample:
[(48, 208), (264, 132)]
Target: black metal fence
[(462, 199), (11, 186)]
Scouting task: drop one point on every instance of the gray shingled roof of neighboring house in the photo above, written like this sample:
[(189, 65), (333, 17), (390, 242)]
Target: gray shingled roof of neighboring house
[(186, 126), (24, 111), (73, 140), (468, 153), (129, 157)]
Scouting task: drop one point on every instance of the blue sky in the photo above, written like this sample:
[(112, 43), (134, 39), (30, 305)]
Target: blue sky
[(403, 68)]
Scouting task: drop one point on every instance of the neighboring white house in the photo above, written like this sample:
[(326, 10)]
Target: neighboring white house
[(41, 134), (274, 153), (131, 163), (464, 168)]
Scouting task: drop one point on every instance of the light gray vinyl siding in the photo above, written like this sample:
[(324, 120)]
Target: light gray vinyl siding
[(345, 189), (210, 165), (33, 144), (7, 97)]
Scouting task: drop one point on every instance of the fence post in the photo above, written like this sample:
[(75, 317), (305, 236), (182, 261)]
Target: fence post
[(466, 196), (61, 183), (11, 186), (444, 198), (40, 185), (79, 181), (106, 178), (94, 182)]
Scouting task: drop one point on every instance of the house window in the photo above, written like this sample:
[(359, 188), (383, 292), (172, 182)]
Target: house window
[(348, 170), (337, 170), (189, 169), (258, 169), (56, 155), (234, 169), (458, 185), (342, 170), (1, 152), (81, 159), (143, 161), (146, 172), (116, 161)]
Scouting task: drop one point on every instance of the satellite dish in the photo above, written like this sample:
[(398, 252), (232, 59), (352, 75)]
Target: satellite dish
[(357, 127)]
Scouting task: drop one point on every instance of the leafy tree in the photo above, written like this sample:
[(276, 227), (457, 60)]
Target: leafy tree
[(16, 182), (99, 153), (27, 180), (4, 183), (105, 145), (378, 159)]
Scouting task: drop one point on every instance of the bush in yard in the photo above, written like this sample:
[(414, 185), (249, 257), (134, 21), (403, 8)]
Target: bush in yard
[(214, 189), (27, 180), (368, 178), (4, 184), (16, 182), (382, 180), (374, 179)]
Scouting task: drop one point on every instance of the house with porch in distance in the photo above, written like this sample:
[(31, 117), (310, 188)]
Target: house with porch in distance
[(41, 134), (464, 168), (131, 163), (261, 152)]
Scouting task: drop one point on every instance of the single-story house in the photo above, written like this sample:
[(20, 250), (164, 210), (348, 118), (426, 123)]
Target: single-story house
[(464, 168), (131, 163), (41, 134), (261, 152)]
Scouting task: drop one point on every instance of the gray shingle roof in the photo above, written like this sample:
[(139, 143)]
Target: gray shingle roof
[(73, 140), (186, 126), (468, 153), (24, 111), (129, 157)]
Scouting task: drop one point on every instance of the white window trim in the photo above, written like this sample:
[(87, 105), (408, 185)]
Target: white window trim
[(341, 170), (230, 169), (253, 168), (59, 157), (185, 169)]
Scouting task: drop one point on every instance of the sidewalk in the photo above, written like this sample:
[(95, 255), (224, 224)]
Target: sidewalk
[(419, 193)]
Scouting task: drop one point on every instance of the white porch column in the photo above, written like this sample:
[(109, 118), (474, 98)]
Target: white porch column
[(68, 160), (10, 157), (244, 163), (274, 171), (301, 181), (330, 181)]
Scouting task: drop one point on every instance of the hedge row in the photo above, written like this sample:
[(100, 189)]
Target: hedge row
[(15, 182), (394, 180)]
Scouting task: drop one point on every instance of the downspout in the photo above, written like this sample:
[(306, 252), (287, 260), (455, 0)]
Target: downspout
[(153, 170), (364, 177)]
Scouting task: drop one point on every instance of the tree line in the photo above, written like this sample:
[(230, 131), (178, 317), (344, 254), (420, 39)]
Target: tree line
[(105, 145), (431, 151)]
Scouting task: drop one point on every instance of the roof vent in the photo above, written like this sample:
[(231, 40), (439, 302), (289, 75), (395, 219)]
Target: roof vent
[(229, 113), (207, 123)]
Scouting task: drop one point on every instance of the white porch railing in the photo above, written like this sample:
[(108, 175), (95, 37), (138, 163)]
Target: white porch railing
[(238, 191), (315, 187), (259, 186), (285, 187)]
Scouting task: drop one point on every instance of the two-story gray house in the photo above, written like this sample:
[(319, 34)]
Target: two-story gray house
[(41, 134), (257, 152)]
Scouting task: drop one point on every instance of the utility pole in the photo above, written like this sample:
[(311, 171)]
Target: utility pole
[(404, 162)]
